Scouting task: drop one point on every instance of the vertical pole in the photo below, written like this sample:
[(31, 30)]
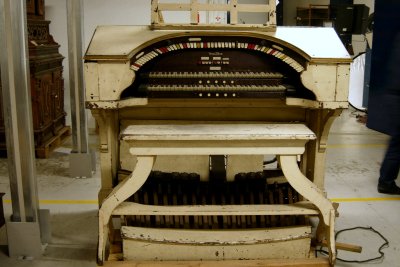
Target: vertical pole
[(17, 105), (82, 162), (75, 55), (271, 20), (233, 12), (23, 230), (194, 11), (154, 12)]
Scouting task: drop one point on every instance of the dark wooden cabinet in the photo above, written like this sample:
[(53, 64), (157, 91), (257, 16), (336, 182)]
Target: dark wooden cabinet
[(35, 9), (47, 84)]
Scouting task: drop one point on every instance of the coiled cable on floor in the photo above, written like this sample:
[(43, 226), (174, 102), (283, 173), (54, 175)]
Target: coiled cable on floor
[(384, 245)]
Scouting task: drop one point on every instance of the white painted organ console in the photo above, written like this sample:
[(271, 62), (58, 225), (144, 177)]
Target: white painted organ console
[(137, 77)]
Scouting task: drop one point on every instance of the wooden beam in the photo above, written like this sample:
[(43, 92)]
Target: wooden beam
[(314, 262), (194, 12), (215, 7), (132, 208), (174, 7), (234, 12), (271, 19), (212, 27), (154, 12), (344, 246), (253, 8)]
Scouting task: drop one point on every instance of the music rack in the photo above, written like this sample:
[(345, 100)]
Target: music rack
[(232, 7)]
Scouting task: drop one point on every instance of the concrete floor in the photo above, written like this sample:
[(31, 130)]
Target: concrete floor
[(353, 160)]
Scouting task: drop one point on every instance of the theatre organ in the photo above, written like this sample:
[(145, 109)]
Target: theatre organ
[(138, 76)]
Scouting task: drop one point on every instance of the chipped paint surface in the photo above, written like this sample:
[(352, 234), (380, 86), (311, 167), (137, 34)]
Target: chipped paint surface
[(216, 244), (116, 104)]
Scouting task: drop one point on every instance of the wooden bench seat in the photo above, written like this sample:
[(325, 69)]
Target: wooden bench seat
[(146, 142)]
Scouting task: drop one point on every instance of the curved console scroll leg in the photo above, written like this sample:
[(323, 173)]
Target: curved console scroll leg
[(120, 193), (311, 192)]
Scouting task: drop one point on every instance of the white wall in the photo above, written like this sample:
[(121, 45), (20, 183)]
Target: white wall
[(96, 12)]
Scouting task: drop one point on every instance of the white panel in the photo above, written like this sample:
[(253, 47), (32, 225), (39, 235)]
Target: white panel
[(321, 79), (179, 244), (113, 79), (343, 79), (91, 81)]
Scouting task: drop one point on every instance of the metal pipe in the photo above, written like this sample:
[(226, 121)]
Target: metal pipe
[(75, 55), (17, 110)]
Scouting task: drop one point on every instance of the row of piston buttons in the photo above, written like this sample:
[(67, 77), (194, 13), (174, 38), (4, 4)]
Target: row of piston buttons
[(216, 82), (217, 95)]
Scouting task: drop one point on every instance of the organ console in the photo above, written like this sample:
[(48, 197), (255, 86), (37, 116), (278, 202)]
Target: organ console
[(235, 70), (138, 76)]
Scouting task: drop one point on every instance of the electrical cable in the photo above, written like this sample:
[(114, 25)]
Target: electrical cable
[(266, 162), (384, 245), (358, 109)]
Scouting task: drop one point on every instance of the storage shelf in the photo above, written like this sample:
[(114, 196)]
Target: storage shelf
[(314, 15)]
